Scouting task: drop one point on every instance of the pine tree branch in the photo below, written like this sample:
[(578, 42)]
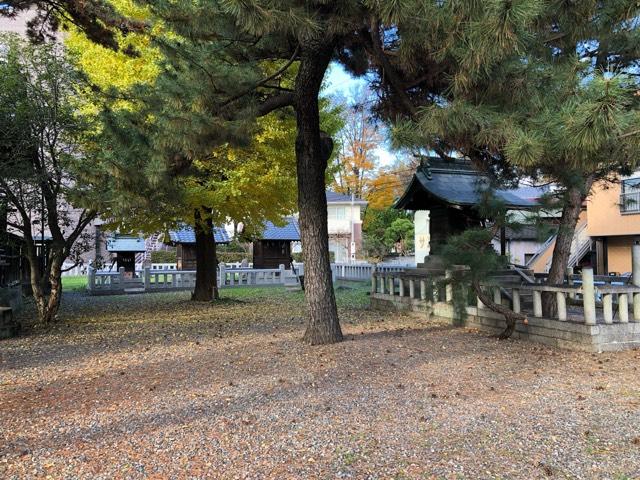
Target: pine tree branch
[(265, 80)]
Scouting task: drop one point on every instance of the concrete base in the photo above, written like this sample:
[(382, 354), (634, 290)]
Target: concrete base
[(568, 335), (8, 326)]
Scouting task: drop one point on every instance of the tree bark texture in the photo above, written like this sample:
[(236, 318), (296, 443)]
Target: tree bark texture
[(206, 288), (312, 154), (510, 316), (562, 249)]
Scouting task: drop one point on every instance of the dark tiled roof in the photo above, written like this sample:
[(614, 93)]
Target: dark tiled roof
[(186, 234), (334, 197), (290, 231), (125, 243), (456, 187)]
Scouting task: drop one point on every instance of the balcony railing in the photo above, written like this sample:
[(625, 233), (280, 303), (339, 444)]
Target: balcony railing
[(630, 202)]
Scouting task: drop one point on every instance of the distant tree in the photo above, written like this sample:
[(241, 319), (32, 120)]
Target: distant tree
[(43, 139), (399, 235), (375, 227), (358, 140)]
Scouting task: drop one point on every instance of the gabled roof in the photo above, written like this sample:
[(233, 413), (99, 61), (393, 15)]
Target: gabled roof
[(186, 234), (289, 231), (457, 186), (125, 243), (334, 197)]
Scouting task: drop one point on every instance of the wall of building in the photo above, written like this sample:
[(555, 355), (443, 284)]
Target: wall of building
[(604, 215)]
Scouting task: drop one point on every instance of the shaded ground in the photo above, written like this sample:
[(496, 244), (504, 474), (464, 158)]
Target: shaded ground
[(154, 386)]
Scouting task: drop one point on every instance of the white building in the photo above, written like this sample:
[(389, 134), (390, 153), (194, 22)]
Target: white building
[(344, 221)]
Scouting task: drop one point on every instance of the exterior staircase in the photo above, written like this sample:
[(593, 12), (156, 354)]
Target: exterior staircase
[(580, 246)]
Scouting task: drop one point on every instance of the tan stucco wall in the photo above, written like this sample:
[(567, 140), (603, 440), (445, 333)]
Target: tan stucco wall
[(619, 254), (603, 213)]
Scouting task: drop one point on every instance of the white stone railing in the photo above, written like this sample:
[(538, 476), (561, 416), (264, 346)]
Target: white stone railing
[(584, 299), (362, 271), (149, 280)]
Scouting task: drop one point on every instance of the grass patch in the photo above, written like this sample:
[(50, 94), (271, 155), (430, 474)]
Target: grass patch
[(74, 283)]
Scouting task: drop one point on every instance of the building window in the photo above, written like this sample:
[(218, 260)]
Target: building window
[(337, 213), (630, 195)]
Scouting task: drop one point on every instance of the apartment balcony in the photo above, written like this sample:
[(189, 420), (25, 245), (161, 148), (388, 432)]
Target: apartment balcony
[(630, 202)]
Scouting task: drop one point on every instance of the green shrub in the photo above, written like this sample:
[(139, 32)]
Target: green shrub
[(164, 256), (232, 257)]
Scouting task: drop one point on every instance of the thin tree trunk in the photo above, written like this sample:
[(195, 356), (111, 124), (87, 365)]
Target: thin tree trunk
[(206, 288), (312, 154), (562, 249), (47, 303), (510, 316)]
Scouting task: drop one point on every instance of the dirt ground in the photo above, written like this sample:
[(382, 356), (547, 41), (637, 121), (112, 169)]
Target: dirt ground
[(154, 386)]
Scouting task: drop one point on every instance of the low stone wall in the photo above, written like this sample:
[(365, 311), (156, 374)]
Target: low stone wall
[(11, 297), (563, 334)]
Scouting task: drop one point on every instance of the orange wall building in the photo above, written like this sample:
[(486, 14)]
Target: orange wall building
[(613, 216)]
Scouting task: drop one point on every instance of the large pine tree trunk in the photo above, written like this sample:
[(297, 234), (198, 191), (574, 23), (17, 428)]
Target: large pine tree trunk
[(206, 288), (312, 154), (562, 249)]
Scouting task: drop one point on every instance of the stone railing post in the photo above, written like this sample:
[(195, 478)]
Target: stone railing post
[(572, 294), (283, 272), (423, 289), (401, 284), (607, 308), (222, 274), (537, 303), (588, 296), (374, 280), (497, 295), (147, 278), (635, 277), (448, 289), (412, 288), (515, 295), (92, 279), (623, 308), (390, 283), (561, 300)]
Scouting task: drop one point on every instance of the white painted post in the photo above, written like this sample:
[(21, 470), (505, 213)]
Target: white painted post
[(412, 288), (223, 275), (515, 295), (423, 289), (607, 308), (422, 238), (537, 303), (623, 308), (448, 289), (401, 282), (147, 278), (562, 306), (588, 296)]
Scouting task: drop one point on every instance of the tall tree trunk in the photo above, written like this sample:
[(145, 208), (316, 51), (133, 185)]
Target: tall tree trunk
[(206, 288), (562, 249), (312, 154)]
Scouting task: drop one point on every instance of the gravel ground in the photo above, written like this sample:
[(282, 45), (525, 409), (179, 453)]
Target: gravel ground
[(154, 386)]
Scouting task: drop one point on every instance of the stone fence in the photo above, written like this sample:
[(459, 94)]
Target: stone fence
[(589, 317), (149, 280)]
